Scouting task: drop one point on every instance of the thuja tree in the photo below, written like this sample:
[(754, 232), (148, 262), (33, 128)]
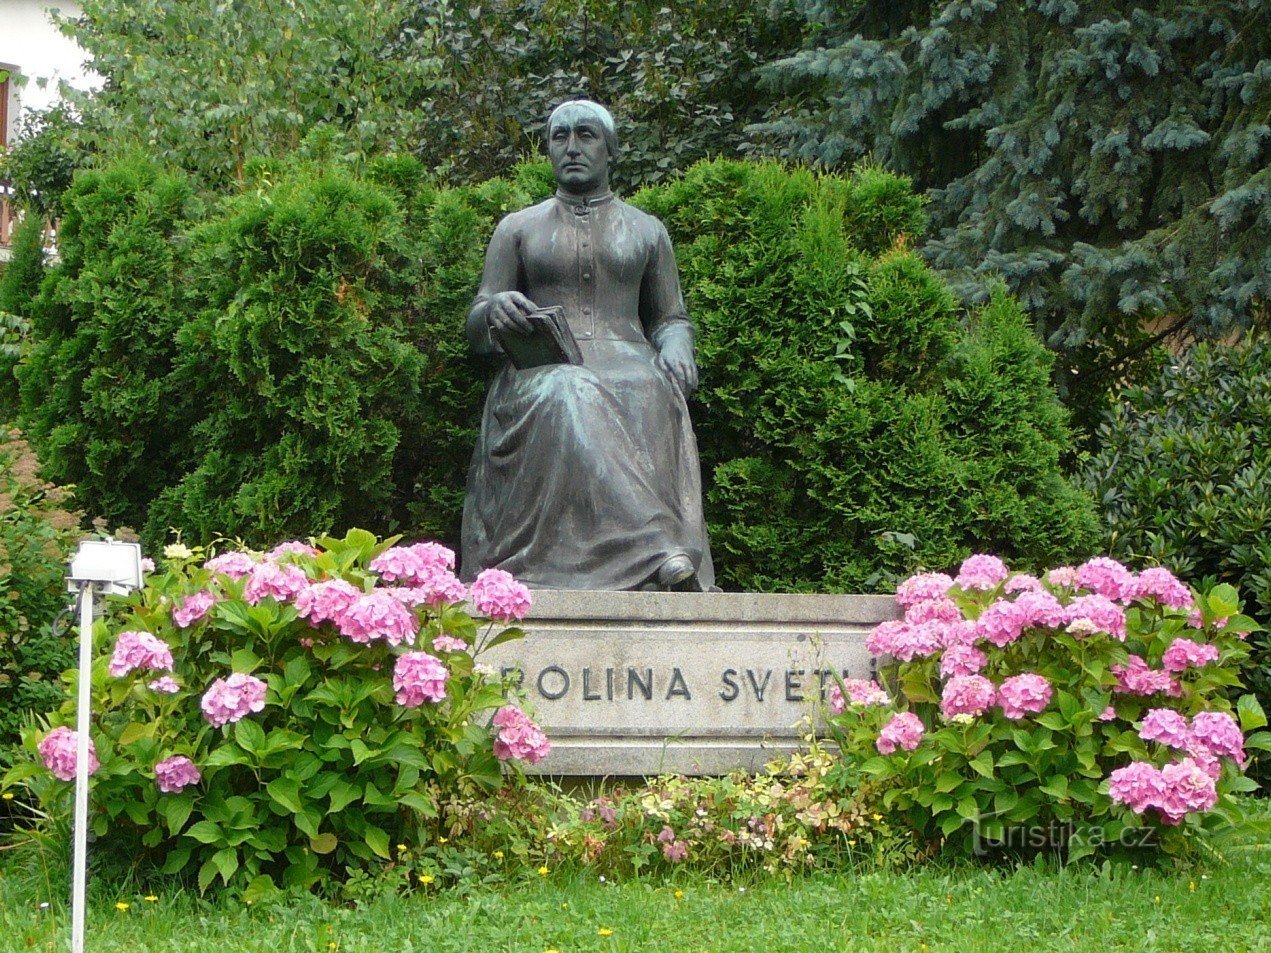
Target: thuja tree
[(1108, 159), (854, 422)]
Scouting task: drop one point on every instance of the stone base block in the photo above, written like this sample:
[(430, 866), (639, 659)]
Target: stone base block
[(642, 683)]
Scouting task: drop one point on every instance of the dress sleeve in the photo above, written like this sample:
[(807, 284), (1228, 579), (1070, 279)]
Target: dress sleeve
[(500, 274), (661, 303)]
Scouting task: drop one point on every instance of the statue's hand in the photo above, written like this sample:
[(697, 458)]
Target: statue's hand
[(509, 311), (676, 359)]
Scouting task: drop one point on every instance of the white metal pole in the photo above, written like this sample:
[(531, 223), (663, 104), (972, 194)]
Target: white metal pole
[(79, 873)]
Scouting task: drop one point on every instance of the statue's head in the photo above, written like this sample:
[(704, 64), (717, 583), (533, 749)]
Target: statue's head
[(581, 141)]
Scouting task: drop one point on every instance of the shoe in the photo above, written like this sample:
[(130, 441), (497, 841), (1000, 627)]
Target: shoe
[(676, 571)]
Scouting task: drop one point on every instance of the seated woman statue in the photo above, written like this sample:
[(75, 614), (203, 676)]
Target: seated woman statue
[(586, 476)]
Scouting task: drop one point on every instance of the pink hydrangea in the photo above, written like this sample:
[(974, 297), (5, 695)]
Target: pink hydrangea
[(962, 632), (920, 588), (434, 555), (400, 563), (193, 608), (981, 572), (882, 637), (1039, 608), (233, 698), (1108, 714), (1063, 576), (1166, 726), (1087, 615), (1001, 623), (918, 641), (326, 601), (377, 615), (967, 695), (1186, 788), (437, 586), (176, 774), (274, 581), (518, 737), (293, 547), (147, 565), (1220, 734), (135, 651), (962, 659), (1135, 677), (865, 692), (1022, 582), (1138, 786), (419, 677), (58, 751), (496, 595), (903, 730), (933, 610), (448, 643), (236, 565), (1162, 585), (164, 686), (1024, 694), (1183, 654), (1108, 578)]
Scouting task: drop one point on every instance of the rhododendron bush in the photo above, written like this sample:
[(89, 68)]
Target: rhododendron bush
[(268, 718), (1088, 708)]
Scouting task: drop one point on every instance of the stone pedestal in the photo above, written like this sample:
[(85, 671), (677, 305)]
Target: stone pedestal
[(639, 683)]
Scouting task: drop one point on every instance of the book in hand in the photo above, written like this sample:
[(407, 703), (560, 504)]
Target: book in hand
[(550, 341)]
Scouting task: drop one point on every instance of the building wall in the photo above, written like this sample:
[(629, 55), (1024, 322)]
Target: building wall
[(30, 45)]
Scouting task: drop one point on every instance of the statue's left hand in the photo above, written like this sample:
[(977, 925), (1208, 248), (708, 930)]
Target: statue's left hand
[(677, 360)]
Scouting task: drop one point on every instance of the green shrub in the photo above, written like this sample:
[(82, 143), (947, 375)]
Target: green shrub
[(99, 398), (853, 425), (248, 735), (37, 534), (1021, 709), (19, 284), (1184, 476)]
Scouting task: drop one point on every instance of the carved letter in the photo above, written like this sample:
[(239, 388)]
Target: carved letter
[(730, 690), (564, 678), (793, 684), (609, 683), (588, 694), (759, 689), (646, 684), (677, 679)]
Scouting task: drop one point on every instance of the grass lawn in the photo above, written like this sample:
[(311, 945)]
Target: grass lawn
[(1222, 906)]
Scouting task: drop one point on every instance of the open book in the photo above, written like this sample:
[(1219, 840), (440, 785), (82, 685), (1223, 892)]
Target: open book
[(551, 341)]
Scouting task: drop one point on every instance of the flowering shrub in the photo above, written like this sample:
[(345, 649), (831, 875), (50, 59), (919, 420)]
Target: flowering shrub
[(270, 718), (1091, 705)]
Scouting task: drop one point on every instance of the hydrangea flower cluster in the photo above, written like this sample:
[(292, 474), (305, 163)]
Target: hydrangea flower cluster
[(860, 691), (233, 698), (419, 677), (175, 774), (519, 737), (271, 580), (499, 596), (193, 608), (903, 730), (988, 643), (233, 564), (59, 749), (136, 651), (377, 615)]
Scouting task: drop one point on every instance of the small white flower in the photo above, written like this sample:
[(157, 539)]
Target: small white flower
[(177, 551)]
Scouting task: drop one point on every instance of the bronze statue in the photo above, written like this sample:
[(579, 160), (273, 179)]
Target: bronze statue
[(586, 476)]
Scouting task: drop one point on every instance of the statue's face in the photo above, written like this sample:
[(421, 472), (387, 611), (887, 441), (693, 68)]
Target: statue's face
[(580, 157)]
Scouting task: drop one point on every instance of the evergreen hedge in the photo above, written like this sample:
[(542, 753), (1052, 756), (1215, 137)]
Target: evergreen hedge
[(291, 360)]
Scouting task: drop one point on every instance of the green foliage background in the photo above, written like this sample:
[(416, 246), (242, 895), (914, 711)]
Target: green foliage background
[(1183, 474), (290, 361)]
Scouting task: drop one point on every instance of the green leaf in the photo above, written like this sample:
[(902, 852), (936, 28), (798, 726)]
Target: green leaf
[(1223, 600), (206, 832), (1259, 740), (969, 808), (176, 809), (377, 840), (226, 862), (286, 793), (323, 843), (261, 888), (507, 635), (175, 860), (207, 873), (1251, 714), (250, 736), (135, 732)]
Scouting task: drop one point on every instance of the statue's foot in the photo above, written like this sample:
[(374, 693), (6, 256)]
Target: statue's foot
[(677, 573)]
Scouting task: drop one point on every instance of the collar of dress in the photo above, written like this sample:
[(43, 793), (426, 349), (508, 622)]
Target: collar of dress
[(575, 201)]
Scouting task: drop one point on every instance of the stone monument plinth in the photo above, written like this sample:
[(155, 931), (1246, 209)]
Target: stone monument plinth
[(644, 683)]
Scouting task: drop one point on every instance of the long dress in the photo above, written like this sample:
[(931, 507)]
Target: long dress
[(586, 476)]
